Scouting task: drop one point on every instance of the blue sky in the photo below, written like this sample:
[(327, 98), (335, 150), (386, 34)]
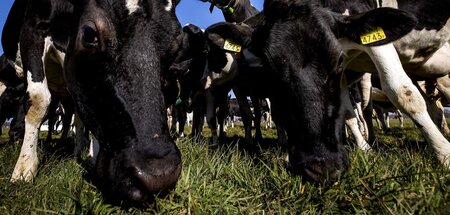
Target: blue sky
[(188, 11)]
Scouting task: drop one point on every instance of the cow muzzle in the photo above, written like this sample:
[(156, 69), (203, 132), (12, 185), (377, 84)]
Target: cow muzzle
[(136, 177)]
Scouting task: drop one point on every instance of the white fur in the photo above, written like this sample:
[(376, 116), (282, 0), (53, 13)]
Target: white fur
[(132, 6), (2, 88), (169, 5)]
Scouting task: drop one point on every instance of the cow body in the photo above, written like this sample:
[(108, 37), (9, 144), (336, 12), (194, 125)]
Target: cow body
[(114, 68), (248, 81), (420, 55), (306, 68)]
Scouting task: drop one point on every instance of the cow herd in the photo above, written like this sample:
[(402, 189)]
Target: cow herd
[(119, 65)]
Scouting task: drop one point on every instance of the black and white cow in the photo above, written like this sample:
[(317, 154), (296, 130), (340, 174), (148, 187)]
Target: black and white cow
[(419, 54), (115, 67), (189, 68), (299, 42), (246, 82)]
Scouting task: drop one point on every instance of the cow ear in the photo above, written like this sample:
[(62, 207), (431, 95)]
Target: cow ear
[(175, 2), (216, 39), (375, 27), (192, 29), (240, 34)]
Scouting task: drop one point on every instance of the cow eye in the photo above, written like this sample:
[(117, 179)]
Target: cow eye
[(89, 37)]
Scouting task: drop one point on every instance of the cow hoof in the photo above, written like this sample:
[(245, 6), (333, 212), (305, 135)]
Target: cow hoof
[(364, 146), (24, 172)]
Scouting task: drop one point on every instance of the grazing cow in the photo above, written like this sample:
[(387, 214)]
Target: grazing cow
[(115, 67), (299, 44), (246, 83), (420, 53), (189, 68)]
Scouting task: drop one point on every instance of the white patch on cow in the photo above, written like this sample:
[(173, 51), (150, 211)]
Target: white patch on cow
[(352, 123), (346, 12), (419, 46), (230, 60), (229, 72), (208, 82), (389, 3), (132, 6), (2, 88), (350, 117), (94, 148), (169, 5), (39, 97), (17, 64)]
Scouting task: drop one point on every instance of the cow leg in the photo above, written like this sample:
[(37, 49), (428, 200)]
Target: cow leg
[(381, 117), (17, 129), (39, 100), (51, 119), (433, 105), (246, 115), (443, 85), (350, 117), (400, 117), (386, 119), (356, 96), (221, 117), (365, 85), (81, 135), (211, 116), (69, 110), (94, 148), (257, 119), (182, 116), (198, 113), (405, 96)]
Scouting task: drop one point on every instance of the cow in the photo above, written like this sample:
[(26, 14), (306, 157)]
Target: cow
[(246, 83), (419, 54), (299, 43), (115, 67), (189, 68)]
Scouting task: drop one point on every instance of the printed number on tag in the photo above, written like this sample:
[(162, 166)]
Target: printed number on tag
[(373, 36), (231, 46)]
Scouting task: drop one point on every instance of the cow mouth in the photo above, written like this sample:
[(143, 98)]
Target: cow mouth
[(145, 186), (318, 173), (321, 169), (136, 179)]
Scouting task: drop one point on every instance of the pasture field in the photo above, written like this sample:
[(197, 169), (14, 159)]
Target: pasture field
[(400, 177)]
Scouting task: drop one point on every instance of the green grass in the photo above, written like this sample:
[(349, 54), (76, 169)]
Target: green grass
[(401, 177)]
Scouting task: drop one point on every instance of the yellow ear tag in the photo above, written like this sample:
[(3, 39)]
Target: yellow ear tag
[(231, 46), (373, 36)]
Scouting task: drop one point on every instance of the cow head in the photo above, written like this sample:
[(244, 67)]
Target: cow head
[(300, 42), (115, 66)]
